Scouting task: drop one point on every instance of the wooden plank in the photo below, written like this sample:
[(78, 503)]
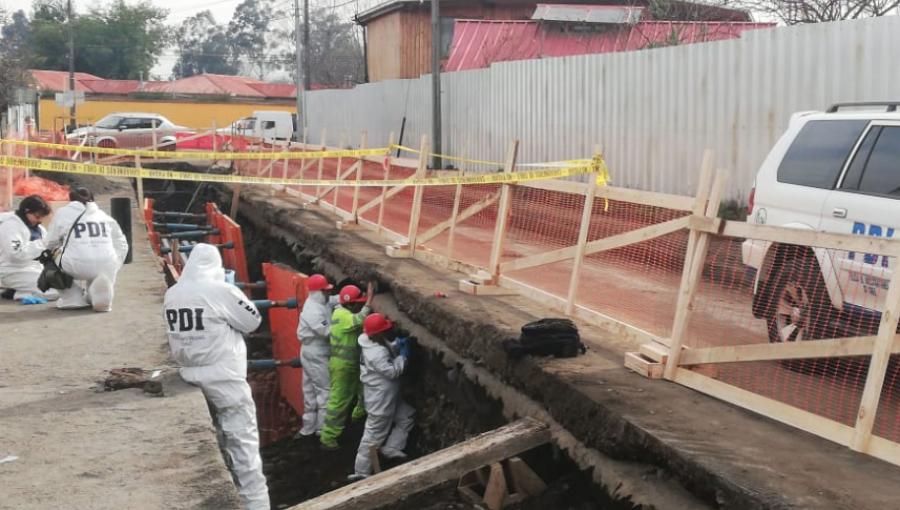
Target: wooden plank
[(470, 211), (503, 211), (495, 492), (383, 197), (691, 276), (340, 162), (605, 244), (140, 182), (435, 469), (484, 290), (380, 200), (634, 196), (417, 197), (887, 333), (524, 479), (586, 214), (643, 366), (321, 169), (654, 352), (376, 461), (767, 407), (457, 197), (884, 449), (359, 169), (831, 348), (848, 242)]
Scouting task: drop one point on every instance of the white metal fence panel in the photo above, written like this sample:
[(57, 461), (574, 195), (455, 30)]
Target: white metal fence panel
[(654, 111)]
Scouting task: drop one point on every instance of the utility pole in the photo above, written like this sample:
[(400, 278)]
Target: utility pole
[(72, 122), (436, 82), (301, 111), (307, 75)]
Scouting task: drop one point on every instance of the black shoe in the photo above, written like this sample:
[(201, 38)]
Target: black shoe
[(329, 448), (8, 294)]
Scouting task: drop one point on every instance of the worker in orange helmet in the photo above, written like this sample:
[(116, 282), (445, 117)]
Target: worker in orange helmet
[(390, 418), (343, 366), (313, 332)]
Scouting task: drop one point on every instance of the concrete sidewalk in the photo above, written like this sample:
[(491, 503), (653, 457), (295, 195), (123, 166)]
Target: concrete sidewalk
[(81, 448)]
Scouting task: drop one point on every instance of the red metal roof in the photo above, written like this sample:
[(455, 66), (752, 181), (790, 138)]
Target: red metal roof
[(478, 44), (279, 90), (101, 86), (59, 80)]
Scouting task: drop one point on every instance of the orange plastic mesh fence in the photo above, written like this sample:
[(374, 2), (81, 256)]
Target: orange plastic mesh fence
[(795, 306), (276, 418)]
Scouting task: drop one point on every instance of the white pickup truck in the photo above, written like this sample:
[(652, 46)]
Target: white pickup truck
[(265, 125), (831, 171)]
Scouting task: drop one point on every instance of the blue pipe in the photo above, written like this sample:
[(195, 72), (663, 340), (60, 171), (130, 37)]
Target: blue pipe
[(182, 226), (263, 364), (190, 234)]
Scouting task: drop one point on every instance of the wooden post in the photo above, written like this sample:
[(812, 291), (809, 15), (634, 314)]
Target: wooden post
[(321, 163), (287, 161), (417, 197), (337, 176), (503, 213), (387, 177), (868, 407), (235, 200), (456, 199), (140, 180), (578, 262), (155, 140), (688, 289), (362, 161), (215, 137)]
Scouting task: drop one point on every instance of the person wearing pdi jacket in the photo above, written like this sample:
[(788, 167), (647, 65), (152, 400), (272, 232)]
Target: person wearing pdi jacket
[(390, 418), (93, 252), (21, 243), (313, 332), (205, 318)]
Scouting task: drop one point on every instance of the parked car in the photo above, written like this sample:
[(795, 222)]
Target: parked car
[(265, 125), (128, 131), (832, 171)]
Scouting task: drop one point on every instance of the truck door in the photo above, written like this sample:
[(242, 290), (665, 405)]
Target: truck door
[(866, 201)]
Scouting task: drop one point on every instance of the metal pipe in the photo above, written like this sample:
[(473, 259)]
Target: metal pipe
[(265, 303), (165, 250), (182, 226), (255, 285), (120, 207), (189, 234), (169, 214), (263, 364)]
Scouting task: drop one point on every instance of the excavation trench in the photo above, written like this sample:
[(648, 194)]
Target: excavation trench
[(459, 381)]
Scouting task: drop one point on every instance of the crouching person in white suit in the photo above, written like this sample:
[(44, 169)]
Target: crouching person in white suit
[(21, 243), (205, 317), (92, 249), (390, 418)]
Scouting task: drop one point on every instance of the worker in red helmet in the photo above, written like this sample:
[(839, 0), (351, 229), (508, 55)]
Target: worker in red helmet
[(343, 366), (313, 332), (390, 418)]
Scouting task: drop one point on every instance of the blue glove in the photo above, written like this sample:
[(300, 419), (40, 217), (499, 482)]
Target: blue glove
[(404, 351), (33, 300), (401, 341)]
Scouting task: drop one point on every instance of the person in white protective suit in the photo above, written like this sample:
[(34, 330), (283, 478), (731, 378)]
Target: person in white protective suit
[(93, 252), (390, 418), (314, 332), (205, 318), (22, 241)]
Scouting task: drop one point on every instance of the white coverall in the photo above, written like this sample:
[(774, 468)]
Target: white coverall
[(94, 254), (314, 332), (205, 317), (18, 268), (390, 419)]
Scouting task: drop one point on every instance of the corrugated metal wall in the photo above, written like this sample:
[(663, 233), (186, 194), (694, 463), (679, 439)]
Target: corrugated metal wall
[(654, 111)]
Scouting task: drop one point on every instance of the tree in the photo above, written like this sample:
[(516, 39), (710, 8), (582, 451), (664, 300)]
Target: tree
[(794, 12), (335, 53), (203, 47), (14, 39), (120, 41), (251, 39)]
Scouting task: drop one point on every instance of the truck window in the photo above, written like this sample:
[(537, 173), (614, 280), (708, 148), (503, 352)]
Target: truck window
[(816, 157), (882, 173)]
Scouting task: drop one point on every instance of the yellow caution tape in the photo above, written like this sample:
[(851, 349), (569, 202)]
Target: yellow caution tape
[(203, 154), (603, 177), (146, 173), (442, 156)]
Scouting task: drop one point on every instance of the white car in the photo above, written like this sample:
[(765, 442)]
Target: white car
[(128, 131), (832, 171)]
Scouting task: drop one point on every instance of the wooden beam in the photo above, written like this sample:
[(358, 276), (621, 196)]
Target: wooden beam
[(587, 213), (359, 169), (887, 337), (643, 366), (605, 244), (495, 492), (634, 196), (381, 199), (417, 197), (884, 449), (831, 348), (140, 182), (503, 211), (470, 211), (484, 290), (457, 197), (435, 469), (848, 242), (765, 406), (693, 268)]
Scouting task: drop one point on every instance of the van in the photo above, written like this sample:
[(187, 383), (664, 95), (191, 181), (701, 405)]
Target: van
[(267, 125)]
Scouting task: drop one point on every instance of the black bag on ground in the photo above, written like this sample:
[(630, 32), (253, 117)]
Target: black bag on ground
[(546, 337)]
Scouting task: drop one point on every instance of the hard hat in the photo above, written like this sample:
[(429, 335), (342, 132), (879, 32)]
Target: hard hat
[(376, 323), (318, 282), (351, 294)]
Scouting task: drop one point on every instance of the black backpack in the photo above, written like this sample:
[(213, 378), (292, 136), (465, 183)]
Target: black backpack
[(546, 337)]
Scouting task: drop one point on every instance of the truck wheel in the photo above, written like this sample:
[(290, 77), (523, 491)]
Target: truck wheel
[(798, 307), (107, 144)]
